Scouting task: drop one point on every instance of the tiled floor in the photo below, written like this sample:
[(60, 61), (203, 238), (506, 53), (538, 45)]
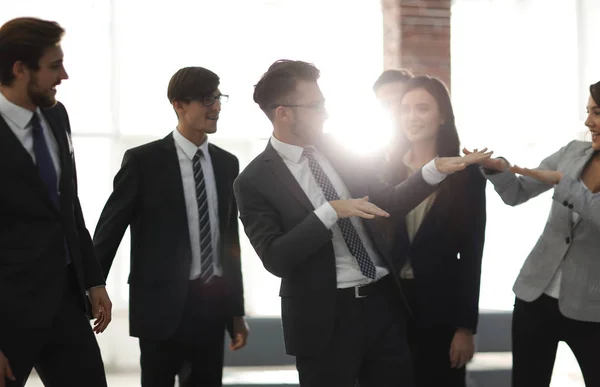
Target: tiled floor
[(566, 372)]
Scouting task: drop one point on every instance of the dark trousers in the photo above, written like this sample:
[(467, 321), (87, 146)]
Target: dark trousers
[(195, 352), (537, 327), (368, 344), (430, 350), (66, 353)]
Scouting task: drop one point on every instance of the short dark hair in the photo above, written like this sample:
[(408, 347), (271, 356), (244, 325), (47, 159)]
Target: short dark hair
[(391, 76), (192, 84), (26, 39), (279, 82), (595, 92)]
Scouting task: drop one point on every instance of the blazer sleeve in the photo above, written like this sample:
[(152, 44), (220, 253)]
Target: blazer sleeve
[(280, 250), (238, 283), (91, 270), (471, 250), (117, 213), (515, 190), (400, 199)]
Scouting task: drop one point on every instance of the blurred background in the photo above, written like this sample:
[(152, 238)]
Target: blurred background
[(518, 70)]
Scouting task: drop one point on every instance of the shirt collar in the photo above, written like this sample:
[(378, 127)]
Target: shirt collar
[(188, 147), (15, 113), (290, 152)]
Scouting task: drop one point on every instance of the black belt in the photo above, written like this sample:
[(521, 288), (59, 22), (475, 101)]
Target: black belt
[(362, 291)]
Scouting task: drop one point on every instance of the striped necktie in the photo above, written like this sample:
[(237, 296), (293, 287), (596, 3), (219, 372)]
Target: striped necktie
[(206, 248)]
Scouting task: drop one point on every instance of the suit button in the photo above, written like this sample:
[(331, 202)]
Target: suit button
[(565, 203), (568, 240), (570, 206)]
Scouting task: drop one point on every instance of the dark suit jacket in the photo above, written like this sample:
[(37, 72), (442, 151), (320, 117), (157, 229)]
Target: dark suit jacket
[(295, 245), (148, 196), (446, 252), (33, 231)]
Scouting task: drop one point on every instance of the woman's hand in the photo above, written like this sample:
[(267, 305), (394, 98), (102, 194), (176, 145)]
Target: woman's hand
[(548, 177)]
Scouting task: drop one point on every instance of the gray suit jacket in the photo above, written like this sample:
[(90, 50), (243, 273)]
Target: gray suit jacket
[(574, 247)]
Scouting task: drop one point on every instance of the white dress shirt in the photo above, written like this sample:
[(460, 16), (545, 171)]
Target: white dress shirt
[(347, 269), (186, 150), (19, 121)]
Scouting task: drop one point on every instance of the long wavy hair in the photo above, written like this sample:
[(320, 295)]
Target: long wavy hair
[(595, 92), (447, 141)]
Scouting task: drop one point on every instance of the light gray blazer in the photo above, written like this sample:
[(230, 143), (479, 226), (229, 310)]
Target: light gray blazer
[(573, 247)]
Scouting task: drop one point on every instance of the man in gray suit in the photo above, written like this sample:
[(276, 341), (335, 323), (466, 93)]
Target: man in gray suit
[(307, 209)]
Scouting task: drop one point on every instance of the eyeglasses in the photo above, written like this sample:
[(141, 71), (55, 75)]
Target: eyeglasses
[(320, 106), (210, 100)]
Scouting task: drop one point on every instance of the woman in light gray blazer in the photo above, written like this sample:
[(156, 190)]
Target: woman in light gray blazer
[(558, 288)]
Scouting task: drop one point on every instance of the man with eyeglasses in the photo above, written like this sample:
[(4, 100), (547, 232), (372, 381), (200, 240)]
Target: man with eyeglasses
[(308, 210), (185, 282)]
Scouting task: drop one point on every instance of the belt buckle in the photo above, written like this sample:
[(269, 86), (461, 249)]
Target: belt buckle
[(357, 292)]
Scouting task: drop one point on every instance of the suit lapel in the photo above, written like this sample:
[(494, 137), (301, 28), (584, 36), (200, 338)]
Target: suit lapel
[(274, 162), (223, 188), (64, 149), (170, 183), (430, 222), (579, 164), (19, 158)]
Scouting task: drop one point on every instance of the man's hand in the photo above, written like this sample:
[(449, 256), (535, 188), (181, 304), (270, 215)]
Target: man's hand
[(462, 348), (5, 371), (357, 207), (497, 164), (449, 165), (548, 177), (101, 308), (240, 334)]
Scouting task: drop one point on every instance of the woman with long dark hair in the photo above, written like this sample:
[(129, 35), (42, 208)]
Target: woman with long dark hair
[(438, 246), (558, 288)]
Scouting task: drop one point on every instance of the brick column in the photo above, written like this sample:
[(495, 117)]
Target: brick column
[(416, 35)]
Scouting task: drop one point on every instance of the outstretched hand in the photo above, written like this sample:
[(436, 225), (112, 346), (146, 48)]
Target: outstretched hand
[(357, 207), (496, 164), (548, 177), (449, 165)]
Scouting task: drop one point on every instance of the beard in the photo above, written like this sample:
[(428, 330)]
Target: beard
[(39, 98)]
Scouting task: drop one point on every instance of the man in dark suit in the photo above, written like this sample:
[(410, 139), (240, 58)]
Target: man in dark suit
[(47, 260), (341, 308), (176, 194)]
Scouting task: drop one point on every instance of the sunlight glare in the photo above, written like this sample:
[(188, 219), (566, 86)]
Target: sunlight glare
[(364, 130)]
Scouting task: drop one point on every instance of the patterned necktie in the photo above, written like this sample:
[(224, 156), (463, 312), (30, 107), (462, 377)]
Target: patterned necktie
[(206, 250), (349, 233), (45, 166)]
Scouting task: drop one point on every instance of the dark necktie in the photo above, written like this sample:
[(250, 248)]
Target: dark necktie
[(206, 250), (45, 166), (43, 159), (349, 233)]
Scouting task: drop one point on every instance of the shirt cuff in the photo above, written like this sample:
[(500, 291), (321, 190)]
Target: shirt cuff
[(93, 287), (327, 215), (431, 175)]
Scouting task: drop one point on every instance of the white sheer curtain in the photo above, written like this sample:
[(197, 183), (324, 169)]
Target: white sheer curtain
[(520, 76), (515, 89)]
